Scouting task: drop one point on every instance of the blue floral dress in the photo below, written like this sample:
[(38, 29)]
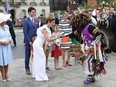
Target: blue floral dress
[(6, 56)]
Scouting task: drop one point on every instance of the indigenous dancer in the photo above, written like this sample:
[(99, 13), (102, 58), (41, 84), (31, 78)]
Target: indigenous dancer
[(103, 25), (93, 58)]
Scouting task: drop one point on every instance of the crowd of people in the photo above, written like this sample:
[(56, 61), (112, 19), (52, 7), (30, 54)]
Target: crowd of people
[(45, 36)]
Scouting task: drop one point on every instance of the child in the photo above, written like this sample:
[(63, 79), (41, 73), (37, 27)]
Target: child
[(56, 49), (47, 52)]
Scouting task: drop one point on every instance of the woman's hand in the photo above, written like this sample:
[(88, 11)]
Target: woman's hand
[(31, 44), (5, 42), (59, 35)]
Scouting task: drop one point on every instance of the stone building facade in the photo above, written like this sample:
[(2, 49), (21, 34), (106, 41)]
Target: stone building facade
[(92, 2), (19, 8)]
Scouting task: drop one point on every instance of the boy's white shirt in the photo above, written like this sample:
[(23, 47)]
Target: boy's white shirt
[(57, 42)]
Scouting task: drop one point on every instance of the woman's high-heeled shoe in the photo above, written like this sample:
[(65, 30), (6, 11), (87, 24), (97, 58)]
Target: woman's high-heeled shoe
[(67, 63), (64, 66), (4, 81)]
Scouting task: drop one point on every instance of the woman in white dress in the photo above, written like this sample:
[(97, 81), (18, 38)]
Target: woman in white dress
[(39, 59)]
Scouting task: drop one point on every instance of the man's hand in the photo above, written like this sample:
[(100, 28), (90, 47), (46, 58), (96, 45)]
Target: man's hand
[(31, 44)]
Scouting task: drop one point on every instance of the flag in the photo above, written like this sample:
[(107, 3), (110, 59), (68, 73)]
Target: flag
[(68, 8), (7, 6)]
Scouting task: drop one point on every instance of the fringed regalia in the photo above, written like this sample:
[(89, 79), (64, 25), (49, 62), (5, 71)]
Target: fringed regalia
[(92, 56), (95, 61)]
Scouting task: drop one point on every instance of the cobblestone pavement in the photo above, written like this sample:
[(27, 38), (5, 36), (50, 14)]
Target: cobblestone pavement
[(71, 76)]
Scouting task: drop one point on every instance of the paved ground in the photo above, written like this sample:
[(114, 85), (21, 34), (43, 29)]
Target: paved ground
[(66, 77), (19, 50)]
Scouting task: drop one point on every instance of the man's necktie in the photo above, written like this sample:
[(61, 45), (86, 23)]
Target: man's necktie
[(33, 22)]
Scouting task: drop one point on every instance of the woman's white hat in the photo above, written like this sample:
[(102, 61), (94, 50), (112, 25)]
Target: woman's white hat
[(4, 17)]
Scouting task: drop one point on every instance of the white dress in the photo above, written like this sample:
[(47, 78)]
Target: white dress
[(39, 58)]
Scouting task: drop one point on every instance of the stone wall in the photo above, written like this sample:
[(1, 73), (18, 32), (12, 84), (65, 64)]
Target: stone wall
[(93, 3)]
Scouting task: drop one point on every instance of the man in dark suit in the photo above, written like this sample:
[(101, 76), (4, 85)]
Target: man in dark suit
[(12, 32), (30, 26), (41, 22)]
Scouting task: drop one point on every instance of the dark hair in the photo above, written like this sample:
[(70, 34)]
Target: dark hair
[(49, 19), (80, 21), (25, 17), (84, 20), (41, 14), (30, 9)]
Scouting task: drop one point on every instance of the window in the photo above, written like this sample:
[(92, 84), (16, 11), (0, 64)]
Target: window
[(22, 0), (33, 0), (42, 0), (23, 13), (43, 12), (11, 1)]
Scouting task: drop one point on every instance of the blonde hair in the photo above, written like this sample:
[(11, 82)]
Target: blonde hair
[(33, 38), (65, 13), (39, 17)]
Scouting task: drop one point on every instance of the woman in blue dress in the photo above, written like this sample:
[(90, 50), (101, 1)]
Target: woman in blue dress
[(6, 56)]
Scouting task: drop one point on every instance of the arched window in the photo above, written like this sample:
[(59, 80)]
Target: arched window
[(10, 1), (23, 14), (1, 11), (42, 0), (43, 12), (33, 0), (22, 0)]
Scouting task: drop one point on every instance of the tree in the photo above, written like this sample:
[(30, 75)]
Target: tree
[(105, 0)]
